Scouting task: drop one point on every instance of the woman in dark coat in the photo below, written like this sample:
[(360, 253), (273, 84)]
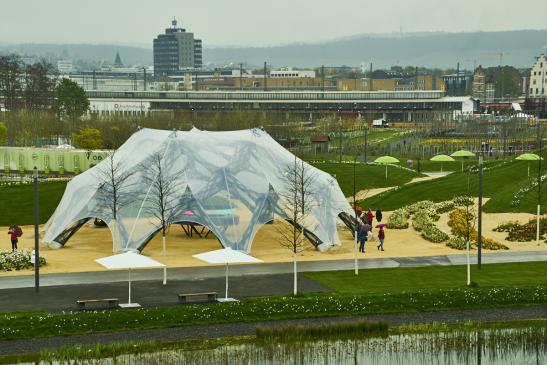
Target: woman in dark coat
[(378, 215)]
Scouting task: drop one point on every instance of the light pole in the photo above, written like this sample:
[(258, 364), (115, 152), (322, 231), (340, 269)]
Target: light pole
[(340, 135), (36, 233), (540, 137)]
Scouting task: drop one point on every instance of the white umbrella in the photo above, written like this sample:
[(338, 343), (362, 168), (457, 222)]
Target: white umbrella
[(226, 256), (128, 261)]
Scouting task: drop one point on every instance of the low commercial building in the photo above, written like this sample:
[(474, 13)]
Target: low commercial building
[(48, 160)]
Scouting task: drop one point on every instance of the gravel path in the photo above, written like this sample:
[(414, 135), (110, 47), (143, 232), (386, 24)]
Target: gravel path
[(17, 347)]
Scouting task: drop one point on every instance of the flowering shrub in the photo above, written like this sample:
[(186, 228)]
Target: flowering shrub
[(433, 234), (523, 232), (462, 201), (398, 219), (444, 207), (457, 243), (461, 222), (420, 220), (18, 260)]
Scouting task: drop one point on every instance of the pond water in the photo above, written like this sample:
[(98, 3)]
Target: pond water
[(500, 347)]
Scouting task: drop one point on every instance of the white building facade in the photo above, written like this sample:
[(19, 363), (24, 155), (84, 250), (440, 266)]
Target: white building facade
[(538, 78)]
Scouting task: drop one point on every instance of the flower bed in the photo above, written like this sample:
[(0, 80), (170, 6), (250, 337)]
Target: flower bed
[(461, 224), (434, 234), (523, 232), (18, 260)]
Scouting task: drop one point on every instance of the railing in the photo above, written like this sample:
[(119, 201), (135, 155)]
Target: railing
[(265, 95)]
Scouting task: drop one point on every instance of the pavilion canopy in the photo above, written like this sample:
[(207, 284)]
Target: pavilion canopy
[(231, 182)]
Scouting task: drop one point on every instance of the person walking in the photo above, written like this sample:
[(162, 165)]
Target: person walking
[(381, 237), (379, 216), (13, 236)]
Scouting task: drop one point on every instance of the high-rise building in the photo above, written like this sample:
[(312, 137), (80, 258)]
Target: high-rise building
[(175, 51), (538, 78)]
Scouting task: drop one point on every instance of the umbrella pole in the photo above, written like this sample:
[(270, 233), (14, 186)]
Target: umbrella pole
[(441, 167), (462, 164), (226, 294), (129, 301), (528, 169), (386, 172)]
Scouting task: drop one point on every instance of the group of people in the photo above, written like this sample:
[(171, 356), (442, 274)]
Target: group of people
[(364, 230)]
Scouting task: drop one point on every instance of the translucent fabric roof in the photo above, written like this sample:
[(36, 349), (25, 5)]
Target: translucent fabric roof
[(230, 182)]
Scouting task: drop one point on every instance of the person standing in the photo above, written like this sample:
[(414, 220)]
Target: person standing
[(370, 217), (379, 216), (13, 236), (362, 237), (381, 237)]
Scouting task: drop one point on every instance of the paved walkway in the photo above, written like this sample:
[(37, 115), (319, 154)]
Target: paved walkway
[(206, 272)]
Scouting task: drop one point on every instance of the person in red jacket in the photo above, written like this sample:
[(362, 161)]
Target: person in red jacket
[(13, 235), (370, 217)]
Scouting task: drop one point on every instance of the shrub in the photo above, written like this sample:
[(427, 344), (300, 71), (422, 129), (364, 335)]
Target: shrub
[(434, 234), (456, 242), (463, 201), (420, 220), (460, 226), (444, 207), (523, 232), (421, 205), (18, 260), (398, 219)]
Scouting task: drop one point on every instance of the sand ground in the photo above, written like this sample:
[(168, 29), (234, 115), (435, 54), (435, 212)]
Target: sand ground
[(90, 243)]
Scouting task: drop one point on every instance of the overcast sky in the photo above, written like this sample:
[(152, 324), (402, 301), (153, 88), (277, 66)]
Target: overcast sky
[(254, 22)]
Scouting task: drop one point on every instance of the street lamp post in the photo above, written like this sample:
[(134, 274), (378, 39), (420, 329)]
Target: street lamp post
[(540, 137), (36, 233), (340, 138)]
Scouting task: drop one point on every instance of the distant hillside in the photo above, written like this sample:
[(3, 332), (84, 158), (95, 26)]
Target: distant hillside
[(86, 52), (424, 49)]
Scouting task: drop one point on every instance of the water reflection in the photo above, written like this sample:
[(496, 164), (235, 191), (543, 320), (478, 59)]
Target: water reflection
[(500, 347)]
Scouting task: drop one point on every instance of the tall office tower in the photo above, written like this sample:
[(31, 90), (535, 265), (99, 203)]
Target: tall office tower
[(175, 51)]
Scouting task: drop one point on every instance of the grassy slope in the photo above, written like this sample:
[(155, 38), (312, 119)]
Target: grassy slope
[(398, 280), (17, 202), (500, 183), (367, 176)]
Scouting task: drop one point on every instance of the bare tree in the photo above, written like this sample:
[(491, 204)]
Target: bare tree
[(40, 80), (296, 203), (162, 196), (10, 80), (114, 191)]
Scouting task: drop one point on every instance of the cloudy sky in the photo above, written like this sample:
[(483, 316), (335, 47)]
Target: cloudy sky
[(255, 22)]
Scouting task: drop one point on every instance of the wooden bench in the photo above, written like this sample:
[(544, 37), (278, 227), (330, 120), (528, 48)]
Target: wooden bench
[(211, 296), (112, 302)]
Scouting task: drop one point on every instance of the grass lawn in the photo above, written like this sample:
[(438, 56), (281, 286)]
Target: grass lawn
[(500, 183), (367, 176), (398, 280), (375, 291), (17, 202)]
